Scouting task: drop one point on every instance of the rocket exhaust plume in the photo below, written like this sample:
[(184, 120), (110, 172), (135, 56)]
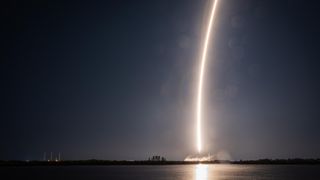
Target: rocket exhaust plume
[(202, 71)]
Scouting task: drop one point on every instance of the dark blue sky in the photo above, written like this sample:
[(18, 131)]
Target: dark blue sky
[(117, 79)]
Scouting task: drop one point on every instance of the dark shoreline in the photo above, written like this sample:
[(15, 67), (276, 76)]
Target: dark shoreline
[(94, 162)]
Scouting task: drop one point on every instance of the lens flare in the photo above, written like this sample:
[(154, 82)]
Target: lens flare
[(202, 69)]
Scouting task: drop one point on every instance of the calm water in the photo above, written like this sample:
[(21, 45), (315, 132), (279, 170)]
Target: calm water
[(185, 172)]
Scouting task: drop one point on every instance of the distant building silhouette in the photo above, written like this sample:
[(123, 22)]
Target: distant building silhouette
[(56, 158), (157, 158)]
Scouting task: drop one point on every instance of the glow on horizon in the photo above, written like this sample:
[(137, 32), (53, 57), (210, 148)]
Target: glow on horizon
[(202, 69)]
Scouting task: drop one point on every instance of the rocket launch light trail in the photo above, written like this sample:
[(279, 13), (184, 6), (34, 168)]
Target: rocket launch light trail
[(202, 69)]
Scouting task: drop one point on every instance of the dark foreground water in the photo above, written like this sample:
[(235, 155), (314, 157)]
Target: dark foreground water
[(185, 172)]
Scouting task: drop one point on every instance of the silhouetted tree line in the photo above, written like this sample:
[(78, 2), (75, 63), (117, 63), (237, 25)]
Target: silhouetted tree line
[(279, 161)]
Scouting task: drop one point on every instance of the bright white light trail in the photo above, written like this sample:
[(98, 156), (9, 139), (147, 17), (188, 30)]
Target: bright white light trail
[(202, 68)]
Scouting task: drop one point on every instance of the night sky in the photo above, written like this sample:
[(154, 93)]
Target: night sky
[(117, 79)]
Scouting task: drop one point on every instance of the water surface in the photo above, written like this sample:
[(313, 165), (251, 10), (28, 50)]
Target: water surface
[(166, 172)]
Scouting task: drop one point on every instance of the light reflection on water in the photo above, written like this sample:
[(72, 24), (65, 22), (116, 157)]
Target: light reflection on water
[(201, 172)]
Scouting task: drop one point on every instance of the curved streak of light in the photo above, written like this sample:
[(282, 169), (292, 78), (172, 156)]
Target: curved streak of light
[(202, 68)]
